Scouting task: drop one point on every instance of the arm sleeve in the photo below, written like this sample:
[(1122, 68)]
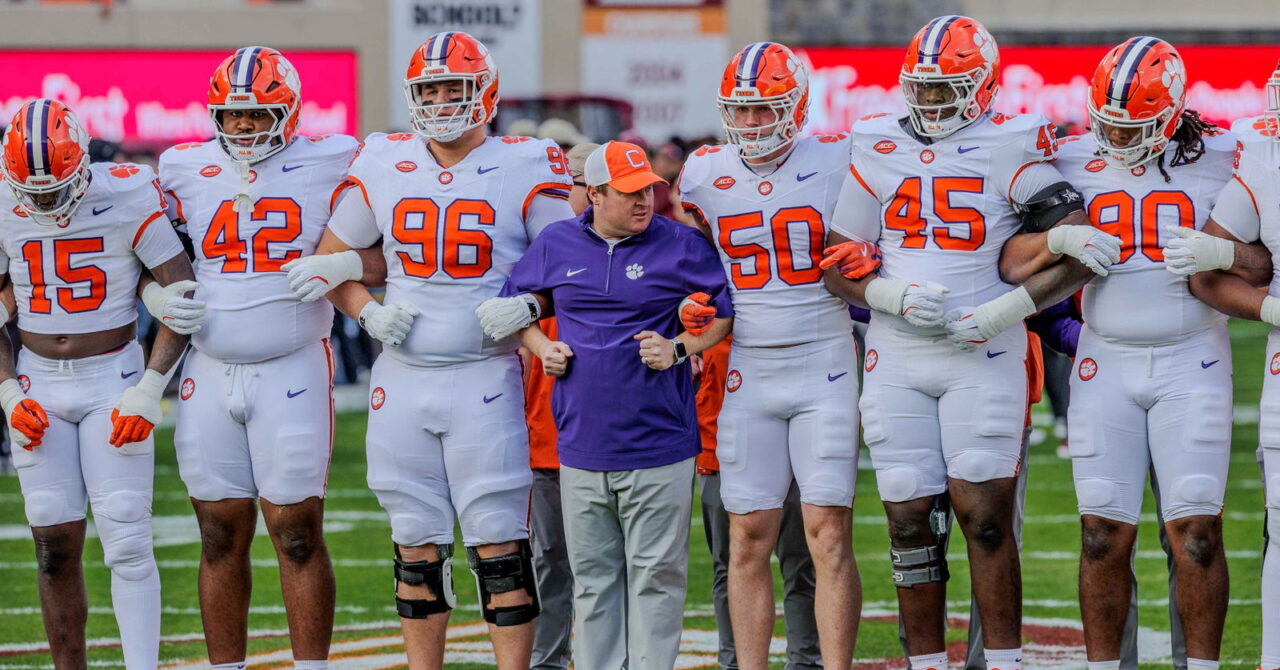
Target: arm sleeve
[(1032, 178), (857, 211), (547, 206), (1237, 211), (705, 273), (155, 242), (353, 221)]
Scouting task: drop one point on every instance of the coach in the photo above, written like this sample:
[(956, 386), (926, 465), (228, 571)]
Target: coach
[(624, 403)]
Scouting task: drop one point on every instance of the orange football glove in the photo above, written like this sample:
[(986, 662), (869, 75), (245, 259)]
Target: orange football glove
[(853, 259), (129, 428), (696, 314), (29, 419)]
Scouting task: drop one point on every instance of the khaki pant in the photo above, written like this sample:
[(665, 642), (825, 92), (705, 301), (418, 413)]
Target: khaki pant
[(628, 538)]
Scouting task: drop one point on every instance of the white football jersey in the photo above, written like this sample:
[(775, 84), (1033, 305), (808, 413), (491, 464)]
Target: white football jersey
[(1249, 205), (946, 207), (83, 277), (1140, 302), (1252, 129), (451, 235), (770, 231), (253, 315)]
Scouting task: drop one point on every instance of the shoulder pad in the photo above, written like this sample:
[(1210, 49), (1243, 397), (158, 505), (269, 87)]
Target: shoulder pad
[(1220, 141), (874, 124), (187, 151), (1255, 129), (123, 177), (332, 144)]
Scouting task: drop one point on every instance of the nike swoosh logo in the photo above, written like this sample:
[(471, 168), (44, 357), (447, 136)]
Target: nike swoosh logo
[(993, 354), (964, 150), (289, 168), (570, 273), (488, 399), (291, 394), (1210, 364), (97, 211), (484, 170), (831, 377), (126, 375), (802, 177)]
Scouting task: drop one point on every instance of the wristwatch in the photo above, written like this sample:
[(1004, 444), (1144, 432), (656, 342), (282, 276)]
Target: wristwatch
[(682, 352)]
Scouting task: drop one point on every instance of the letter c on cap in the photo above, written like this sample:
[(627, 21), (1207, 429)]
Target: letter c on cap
[(631, 161)]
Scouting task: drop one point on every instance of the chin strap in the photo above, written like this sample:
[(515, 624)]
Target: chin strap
[(242, 202)]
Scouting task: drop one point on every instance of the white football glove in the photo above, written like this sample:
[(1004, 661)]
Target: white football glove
[(388, 324), (180, 314), (138, 411), (919, 304), (500, 317), (1270, 312), (1095, 248), (310, 277), (1191, 251), (970, 327)]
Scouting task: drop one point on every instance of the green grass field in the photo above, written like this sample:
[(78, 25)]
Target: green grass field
[(367, 634)]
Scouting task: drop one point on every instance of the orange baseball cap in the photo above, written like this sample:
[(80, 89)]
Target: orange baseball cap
[(621, 165)]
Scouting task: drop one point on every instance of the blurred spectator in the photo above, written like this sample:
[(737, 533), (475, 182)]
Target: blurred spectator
[(103, 151), (522, 128), (667, 161), (561, 132)]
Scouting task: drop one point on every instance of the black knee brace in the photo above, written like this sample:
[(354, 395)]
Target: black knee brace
[(436, 575), (503, 574)]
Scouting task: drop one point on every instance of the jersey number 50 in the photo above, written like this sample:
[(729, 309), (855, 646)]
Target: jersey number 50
[(780, 232), (443, 248)]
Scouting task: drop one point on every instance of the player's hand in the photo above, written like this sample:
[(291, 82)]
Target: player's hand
[(1096, 249), (389, 324), (922, 304), (964, 330), (171, 307), (854, 259), (555, 358), (656, 351), (310, 277), (1191, 251), (500, 317), (138, 411), (27, 419), (696, 313)]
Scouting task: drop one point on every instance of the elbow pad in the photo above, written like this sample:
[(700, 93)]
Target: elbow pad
[(1048, 207)]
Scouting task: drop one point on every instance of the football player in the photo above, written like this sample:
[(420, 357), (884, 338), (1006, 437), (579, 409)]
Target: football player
[(81, 403), (255, 411), (941, 190), (1232, 257), (1152, 382), (447, 440), (790, 410)]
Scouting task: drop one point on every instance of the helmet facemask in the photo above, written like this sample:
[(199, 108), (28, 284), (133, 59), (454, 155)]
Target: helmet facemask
[(48, 201), (1151, 141), (1273, 103), (956, 111), (253, 147), (447, 121), (769, 137)]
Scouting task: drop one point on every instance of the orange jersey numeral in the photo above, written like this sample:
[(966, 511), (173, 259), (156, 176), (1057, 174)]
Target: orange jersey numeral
[(416, 222), (223, 239), (1114, 212), (780, 228), (33, 254), (904, 213)]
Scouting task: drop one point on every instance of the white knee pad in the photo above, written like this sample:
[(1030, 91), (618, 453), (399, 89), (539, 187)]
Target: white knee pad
[(1273, 491), (1097, 497), (47, 508), (1193, 495), (897, 484), (977, 466), (410, 530), (124, 526)]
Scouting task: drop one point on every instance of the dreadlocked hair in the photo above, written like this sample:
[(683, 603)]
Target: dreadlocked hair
[(1190, 138)]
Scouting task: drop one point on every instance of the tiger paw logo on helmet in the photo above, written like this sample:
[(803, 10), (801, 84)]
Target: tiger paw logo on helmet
[(46, 161), (956, 52), (1140, 86), (255, 77), (451, 56)]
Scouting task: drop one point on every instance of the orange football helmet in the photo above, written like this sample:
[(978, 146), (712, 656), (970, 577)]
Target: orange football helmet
[(256, 78), (1273, 100), (451, 56), (768, 75), (46, 161), (950, 75), (1140, 85)]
